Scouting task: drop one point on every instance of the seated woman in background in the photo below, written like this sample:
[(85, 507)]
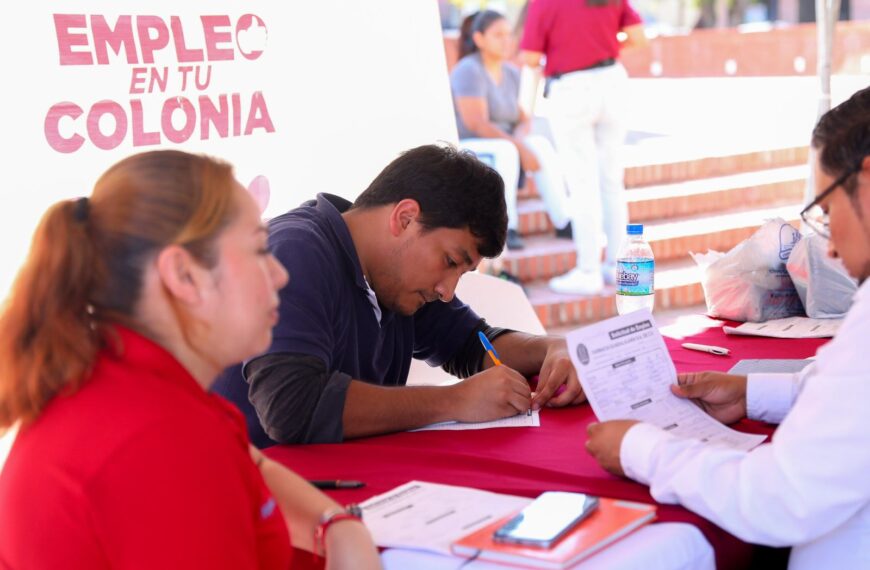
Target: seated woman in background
[(491, 123), (128, 306)]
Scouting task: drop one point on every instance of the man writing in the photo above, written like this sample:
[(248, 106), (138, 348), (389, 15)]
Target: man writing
[(371, 286), (810, 487)]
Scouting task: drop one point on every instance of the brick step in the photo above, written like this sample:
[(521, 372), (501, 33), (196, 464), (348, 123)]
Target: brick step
[(677, 286), (546, 256), (663, 171), (669, 167), (772, 187)]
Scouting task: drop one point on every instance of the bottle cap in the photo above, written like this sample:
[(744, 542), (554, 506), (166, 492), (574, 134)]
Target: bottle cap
[(634, 229)]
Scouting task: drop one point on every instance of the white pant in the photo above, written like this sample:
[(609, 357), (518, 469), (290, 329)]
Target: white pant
[(586, 118), (503, 156)]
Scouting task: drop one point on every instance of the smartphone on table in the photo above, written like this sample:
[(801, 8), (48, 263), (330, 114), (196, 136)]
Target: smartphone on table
[(547, 519)]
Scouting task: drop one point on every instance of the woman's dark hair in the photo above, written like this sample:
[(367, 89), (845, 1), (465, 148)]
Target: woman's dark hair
[(477, 22), (85, 269), (454, 190), (842, 137)]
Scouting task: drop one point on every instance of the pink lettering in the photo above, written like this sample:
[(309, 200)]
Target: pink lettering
[(181, 50), (148, 44), (158, 80), (237, 114), (258, 116), (119, 37), (112, 140), (51, 127), (208, 113), (136, 79), (169, 107), (251, 36), (201, 85), (140, 136), (106, 125), (67, 40), (215, 38), (184, 70)]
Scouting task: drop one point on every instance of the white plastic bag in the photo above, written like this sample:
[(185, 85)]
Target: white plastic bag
[(750, 282), (823, 284)]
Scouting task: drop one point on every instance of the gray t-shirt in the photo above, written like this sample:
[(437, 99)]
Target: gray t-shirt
[(470, 79)]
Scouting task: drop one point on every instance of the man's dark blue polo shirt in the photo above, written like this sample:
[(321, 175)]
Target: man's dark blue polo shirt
[(327, 312)]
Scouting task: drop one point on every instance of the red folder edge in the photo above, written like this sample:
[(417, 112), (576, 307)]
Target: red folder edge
[(612, 520)]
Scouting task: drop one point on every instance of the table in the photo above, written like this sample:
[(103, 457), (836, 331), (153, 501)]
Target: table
[(529, 461)]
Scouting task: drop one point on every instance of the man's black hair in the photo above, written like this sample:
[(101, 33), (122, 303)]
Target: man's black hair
[(454, 190), (842, 136)]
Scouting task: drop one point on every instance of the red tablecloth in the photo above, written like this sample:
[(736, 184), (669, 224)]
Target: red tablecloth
[(529, 461)]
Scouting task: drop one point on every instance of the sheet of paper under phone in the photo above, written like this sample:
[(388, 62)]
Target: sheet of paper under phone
[(547, 519)]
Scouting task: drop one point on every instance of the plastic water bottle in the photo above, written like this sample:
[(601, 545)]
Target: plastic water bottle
[(635, 269)]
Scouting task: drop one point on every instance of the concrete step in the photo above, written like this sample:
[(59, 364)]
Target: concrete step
[(672, 239), (765, 188), (678, 285)]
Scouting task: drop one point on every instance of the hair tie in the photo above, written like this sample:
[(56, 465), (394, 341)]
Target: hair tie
[(82, 210)]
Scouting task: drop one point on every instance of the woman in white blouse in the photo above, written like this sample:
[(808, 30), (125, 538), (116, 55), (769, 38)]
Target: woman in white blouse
[(808, 488)]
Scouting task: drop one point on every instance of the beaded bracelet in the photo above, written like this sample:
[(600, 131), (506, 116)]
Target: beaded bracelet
[(330, 517)]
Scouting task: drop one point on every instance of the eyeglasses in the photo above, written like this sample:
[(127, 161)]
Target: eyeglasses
[(814, 215)]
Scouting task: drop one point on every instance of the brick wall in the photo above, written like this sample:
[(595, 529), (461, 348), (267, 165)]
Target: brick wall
[(788, 50)]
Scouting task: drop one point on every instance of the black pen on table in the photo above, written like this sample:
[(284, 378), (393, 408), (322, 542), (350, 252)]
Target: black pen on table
[(336, 484)]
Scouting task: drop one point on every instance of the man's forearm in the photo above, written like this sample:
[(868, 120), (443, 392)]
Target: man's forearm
[(522, 351), (371, 409)]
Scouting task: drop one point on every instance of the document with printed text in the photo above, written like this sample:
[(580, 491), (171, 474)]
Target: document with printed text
[(430, 516), (519, 420), (626, 373)]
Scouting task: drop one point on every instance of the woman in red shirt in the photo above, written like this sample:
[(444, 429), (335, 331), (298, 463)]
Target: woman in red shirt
[(128, 306)]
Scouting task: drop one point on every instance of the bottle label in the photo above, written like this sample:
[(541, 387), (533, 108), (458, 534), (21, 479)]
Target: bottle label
[(635, 277)]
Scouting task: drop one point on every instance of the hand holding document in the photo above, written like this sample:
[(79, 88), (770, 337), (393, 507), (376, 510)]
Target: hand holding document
[(626, 373)]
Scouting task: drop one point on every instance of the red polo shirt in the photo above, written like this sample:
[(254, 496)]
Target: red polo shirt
[(574, 35), (140, 468)]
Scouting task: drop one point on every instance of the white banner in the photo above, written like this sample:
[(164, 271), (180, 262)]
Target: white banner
[(316, 96)]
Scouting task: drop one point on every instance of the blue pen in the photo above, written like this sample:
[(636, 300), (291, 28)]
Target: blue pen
[(487, 346)]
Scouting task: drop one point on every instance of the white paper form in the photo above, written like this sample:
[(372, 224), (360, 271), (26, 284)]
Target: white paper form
[(625, 370), (429, 516), (792, 327), (519, 420)]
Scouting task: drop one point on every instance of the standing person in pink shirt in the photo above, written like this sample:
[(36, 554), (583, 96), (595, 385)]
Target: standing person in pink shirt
[(586, 93)]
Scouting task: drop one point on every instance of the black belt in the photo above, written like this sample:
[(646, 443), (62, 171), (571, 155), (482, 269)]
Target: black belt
[(556, 76), (602, 63)]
